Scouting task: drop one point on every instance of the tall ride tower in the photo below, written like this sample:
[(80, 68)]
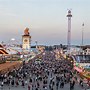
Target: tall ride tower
[(69, 30)]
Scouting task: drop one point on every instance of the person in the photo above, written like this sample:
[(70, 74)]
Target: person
[(9, 87), (52, 88), (26, 82), (23, 83), (12, 82), (17, 83), (30, 80), (73, 83), (62, 84), (57, 84), (81, 82), (45, 88), (29, 87), (36, 88), (2, 84)]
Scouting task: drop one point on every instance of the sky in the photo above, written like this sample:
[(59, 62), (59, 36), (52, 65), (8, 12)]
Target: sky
[(46, 20)]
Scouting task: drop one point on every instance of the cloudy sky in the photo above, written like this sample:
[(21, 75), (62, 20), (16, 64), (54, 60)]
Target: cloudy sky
[(46, 20)]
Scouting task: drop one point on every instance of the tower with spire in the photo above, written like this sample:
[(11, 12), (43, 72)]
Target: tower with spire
[(69, 30), (26, 40)]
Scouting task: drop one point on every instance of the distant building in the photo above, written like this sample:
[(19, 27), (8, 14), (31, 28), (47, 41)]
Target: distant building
[(88, 51)]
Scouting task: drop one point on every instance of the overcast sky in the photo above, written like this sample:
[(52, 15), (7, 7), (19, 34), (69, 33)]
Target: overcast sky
[(46, 20)]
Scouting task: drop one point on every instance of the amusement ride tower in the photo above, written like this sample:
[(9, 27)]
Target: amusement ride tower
[(69, 30)]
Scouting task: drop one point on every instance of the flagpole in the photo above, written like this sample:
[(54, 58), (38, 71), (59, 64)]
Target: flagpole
[(82, 38), (82, 33)]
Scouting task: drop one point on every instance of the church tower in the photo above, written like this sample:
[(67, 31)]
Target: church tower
[(26, 40)]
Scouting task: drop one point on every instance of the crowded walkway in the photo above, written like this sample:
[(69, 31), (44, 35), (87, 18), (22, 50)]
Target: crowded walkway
[(48, 74)]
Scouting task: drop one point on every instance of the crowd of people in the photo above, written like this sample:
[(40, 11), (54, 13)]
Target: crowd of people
[(49, 74)]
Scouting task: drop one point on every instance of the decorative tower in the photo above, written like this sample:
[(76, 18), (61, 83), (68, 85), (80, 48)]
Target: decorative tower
[(26, 40), (69, 30)]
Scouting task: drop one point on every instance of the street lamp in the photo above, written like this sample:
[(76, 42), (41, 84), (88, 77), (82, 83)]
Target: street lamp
[(36, 43)]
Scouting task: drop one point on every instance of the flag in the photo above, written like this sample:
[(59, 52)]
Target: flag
[(83, 24)]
